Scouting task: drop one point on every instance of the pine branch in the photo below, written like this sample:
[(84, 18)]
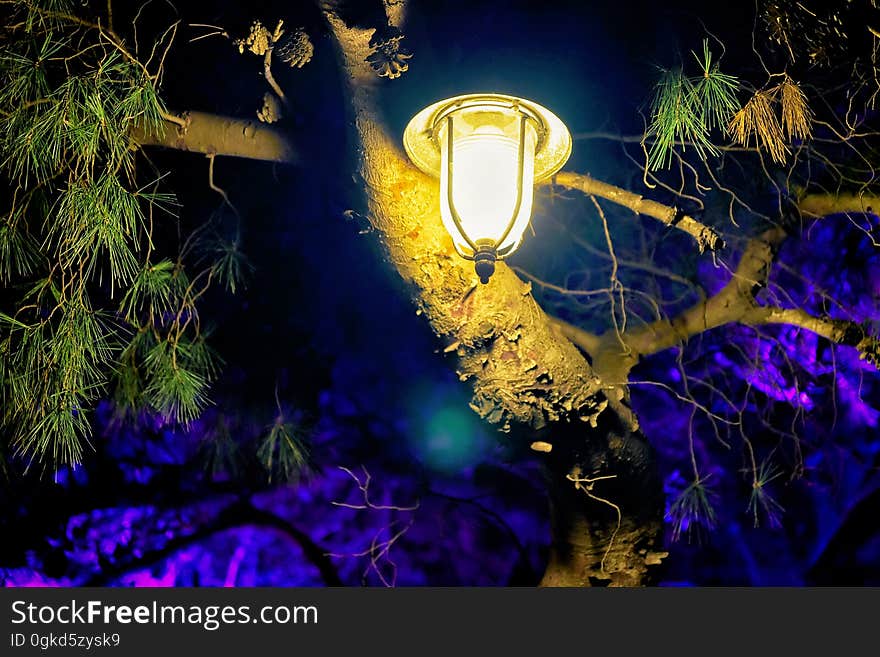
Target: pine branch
[(675, 117), (715, 92), (79, 230)]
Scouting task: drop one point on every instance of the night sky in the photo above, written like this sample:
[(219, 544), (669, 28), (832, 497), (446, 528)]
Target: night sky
[(326, 324)]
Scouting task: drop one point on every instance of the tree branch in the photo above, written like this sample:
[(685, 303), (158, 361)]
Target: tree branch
[(705, 237), (213, 134), (838, 331), (821, 205), (614, 355), (730, 304), (236, 515), (267, 72)]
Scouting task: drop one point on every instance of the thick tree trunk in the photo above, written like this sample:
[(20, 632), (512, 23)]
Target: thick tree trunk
[(522, 370), (606, 503)]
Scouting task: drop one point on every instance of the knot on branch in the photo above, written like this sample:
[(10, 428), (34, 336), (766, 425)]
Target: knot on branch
[(677, 216), (706, 237), (389, 56)]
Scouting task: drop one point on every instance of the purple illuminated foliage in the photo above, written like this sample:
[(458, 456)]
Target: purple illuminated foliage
[(808, 409), (209, 526)]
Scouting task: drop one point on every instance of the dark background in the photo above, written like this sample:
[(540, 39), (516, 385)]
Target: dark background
[(325, 321)]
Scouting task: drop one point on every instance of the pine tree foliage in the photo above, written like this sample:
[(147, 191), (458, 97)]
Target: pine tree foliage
[(89, 306), (796, 114), (690, 111), (692, 510), (283, 450), (773, 130), (686, 110), (758, 119), (761, 501)]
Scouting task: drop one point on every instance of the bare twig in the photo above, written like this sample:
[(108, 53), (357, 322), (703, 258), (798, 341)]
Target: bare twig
[(217, 189), (364, 487), (217, 31), (586, 484), (379, 548), (267, 71)]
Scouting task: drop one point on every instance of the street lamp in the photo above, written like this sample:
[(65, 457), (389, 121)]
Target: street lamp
[(489, 150)]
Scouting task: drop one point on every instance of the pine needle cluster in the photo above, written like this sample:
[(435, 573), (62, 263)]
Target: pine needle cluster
[(89, 307), (283, 450), (758, 119), (796, 114), (772, 133), (761, 501), (687, 109), (692, 510)]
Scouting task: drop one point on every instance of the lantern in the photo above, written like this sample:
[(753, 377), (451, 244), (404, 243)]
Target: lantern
[(488, 150)]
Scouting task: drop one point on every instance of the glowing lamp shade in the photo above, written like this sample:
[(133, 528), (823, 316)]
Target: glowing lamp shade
[(488, 150)]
